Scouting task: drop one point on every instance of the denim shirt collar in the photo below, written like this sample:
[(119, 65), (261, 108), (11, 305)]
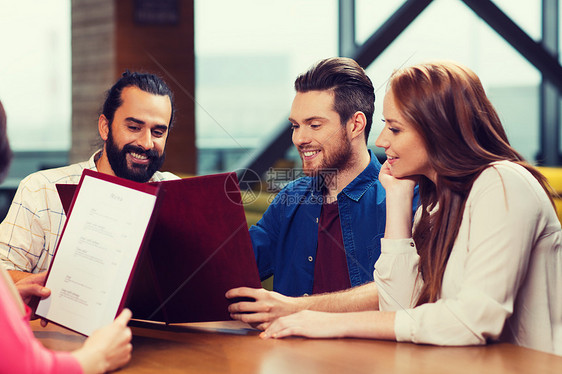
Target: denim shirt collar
[(369, 176)]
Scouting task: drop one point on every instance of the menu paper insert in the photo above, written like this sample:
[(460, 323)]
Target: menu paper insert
[(96, 255)]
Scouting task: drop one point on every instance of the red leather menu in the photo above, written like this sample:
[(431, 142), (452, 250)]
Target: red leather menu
[(108, 224), (199, 248)]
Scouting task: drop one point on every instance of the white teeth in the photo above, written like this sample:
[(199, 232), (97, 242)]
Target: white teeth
[(138, 156), (309, 153)]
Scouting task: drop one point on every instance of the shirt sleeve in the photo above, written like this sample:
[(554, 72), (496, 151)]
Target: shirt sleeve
[(21, 234), (396, 274), (500, 223), (264, 236), (160, 176), (21, 351)]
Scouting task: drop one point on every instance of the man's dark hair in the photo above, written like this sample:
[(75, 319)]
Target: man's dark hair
[(353, 90), (150, 83)]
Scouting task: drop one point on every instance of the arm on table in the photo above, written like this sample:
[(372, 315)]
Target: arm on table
[(270, 305), (312, 324), (354, 312)]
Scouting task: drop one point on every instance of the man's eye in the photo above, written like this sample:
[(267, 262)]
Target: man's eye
[(294, 127), (314, 126), (394, 130), (133, 128), (158, 133)]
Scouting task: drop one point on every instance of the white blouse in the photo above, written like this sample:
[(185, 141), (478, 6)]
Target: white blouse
[(503, 280)]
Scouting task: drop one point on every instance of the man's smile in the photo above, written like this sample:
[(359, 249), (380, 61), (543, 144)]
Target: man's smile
[(309, 155)]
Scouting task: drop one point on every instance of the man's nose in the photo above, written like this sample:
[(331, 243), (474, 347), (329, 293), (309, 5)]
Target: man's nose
[(301, 137), (145, 140)]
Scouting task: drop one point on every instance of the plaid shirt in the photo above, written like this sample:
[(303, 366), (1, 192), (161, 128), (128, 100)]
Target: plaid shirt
[(31, 230)]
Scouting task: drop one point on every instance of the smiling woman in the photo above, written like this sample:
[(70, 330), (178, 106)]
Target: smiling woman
[(405, 149), (486, 254)]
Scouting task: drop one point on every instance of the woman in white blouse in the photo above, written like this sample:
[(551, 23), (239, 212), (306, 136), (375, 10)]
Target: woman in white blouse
[(483, 261)]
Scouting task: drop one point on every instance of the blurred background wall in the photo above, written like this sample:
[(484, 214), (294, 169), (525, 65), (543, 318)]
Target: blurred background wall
[(232, 64)]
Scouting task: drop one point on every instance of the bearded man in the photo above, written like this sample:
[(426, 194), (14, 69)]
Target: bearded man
[(136, 118)]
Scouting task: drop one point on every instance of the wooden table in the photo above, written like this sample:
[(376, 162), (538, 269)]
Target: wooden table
[(232, 347)]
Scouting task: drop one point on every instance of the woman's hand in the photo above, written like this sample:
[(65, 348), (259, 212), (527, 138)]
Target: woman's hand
[(309, 324), (399, 209), (108, 348), (399, 185)]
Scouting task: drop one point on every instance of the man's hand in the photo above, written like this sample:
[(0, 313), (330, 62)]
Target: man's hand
[(32, 285), (31, 291), (266, 307)]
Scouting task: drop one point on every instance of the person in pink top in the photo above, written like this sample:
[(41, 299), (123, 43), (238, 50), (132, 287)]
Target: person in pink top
[(106, 349)]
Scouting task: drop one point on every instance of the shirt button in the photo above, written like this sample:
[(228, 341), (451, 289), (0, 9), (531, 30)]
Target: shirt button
[(411, 244), (305, 294), (310, 258), (316, 219)]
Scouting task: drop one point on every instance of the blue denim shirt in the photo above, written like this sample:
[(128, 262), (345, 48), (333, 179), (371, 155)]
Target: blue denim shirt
[(286, 237)]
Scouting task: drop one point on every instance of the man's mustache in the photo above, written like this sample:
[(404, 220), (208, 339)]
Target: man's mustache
[(151, 153)]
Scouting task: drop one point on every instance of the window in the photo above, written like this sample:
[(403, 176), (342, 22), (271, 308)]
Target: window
[(35, 73), (511, 82), (248, 55)]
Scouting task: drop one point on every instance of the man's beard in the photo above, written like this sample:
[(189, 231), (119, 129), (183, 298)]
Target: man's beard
[(333, 163), (138, 173)]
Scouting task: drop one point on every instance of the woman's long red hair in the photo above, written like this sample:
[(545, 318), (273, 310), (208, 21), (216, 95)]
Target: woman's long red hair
[(447, 105)]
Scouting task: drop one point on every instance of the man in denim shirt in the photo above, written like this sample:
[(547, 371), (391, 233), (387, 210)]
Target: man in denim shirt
[(322, 232)]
